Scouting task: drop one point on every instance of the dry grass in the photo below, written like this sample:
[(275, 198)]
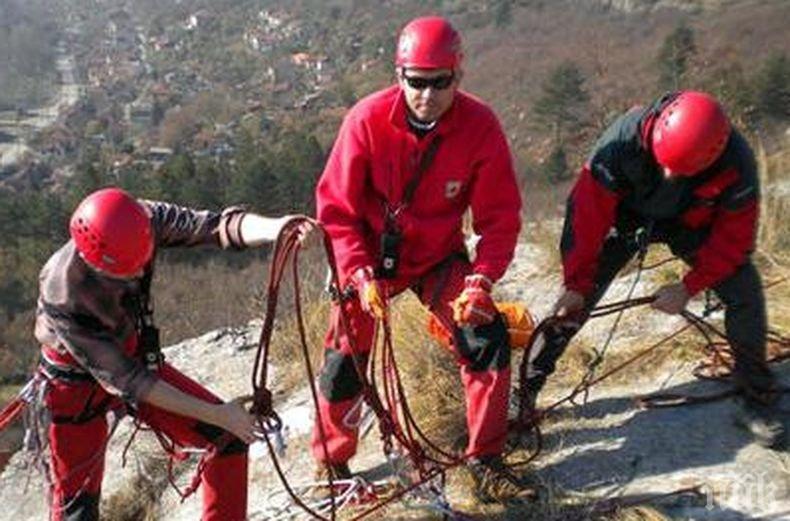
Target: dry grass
[(778, 296), (7, 393), (138, 499), (545, 234), (436, 398), (286, 353), (190, 300), (773, 254), (774, 237), (430, 376), (641, 513)]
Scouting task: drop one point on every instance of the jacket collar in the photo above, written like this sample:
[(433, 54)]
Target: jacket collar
[(399, 112)]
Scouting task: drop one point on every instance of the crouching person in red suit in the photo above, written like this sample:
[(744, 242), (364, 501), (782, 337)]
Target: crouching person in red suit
[(94, 325)]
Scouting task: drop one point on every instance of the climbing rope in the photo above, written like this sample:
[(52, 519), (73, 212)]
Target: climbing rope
[(424, 475), (423, 463)]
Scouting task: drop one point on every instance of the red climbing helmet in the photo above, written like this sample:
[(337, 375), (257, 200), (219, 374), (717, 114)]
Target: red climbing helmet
[(429, 42), (112, 232), (690, 133)]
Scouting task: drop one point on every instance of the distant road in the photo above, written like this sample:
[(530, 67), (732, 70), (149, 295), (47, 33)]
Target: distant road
[(37, 119)]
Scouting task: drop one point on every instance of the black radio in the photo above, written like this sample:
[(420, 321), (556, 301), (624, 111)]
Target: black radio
[(149, 347), (389, 255)]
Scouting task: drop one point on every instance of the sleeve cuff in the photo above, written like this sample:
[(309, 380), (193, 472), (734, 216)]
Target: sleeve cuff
[(230, 228)]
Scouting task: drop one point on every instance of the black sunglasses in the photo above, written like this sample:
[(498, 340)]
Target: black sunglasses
[(437, 83)]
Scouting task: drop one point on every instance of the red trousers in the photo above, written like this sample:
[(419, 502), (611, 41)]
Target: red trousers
[(483, 354), (78, 438)]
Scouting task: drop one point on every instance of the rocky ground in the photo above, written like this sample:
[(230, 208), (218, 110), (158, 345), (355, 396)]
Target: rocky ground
[(605, 448)]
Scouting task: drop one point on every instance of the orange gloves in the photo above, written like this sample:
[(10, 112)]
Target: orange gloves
[(371, 294), (475, 307)]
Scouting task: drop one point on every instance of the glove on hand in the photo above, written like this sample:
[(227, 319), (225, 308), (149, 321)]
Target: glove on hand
[(475, 307), (569, 303), (371, 293)]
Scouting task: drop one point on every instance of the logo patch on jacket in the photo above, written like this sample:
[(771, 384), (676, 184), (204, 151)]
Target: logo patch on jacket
[(452, 189)]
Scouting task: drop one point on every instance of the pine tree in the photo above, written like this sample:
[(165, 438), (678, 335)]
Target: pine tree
[(298, 164), (503, 13), (176, 178), (556, 166), (562, 106), (673, 57), (253, 181)]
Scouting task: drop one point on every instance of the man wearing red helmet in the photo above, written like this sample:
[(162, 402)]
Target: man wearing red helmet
[(408, 162), (100, 350), (675, 172)]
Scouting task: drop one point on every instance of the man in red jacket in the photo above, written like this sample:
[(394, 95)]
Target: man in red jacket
[(674, 172), (99, 350), (408, 162)]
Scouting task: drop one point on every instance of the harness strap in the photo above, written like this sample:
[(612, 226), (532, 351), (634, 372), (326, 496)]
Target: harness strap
[(74, 375), (63, 372)]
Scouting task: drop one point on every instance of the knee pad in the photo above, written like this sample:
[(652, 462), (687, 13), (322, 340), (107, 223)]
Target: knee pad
[(485, 347), (339, 379)]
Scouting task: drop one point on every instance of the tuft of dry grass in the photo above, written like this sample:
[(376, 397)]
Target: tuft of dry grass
[(138, 499), (7, 393), (640, 513), (191, 300), (773, 236), (430, 376), (778, 296), (286, 351)]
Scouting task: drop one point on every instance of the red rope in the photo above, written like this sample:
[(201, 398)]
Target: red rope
[(393, 413), (396, 421), (11, 412)]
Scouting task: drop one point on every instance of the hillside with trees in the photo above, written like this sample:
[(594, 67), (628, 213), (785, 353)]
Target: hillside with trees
[(211, 103), (28, 36)]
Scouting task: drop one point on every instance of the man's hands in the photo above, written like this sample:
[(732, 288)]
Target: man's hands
[(569, 303), (475, 307), (309, 232), (230, 416), (671, 299), (234, 418), (370, 291)]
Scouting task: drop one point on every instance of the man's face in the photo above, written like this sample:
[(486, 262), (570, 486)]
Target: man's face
[(429, 92)]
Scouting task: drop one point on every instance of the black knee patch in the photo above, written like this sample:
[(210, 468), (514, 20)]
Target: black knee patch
[(236, 446), (485, 347), (213, 434), (83, 507), (339, 379)]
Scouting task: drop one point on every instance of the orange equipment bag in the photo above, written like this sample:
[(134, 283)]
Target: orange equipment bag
[(518, 319)]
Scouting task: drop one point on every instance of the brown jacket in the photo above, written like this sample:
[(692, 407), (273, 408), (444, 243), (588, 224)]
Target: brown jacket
[(93, 318)]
